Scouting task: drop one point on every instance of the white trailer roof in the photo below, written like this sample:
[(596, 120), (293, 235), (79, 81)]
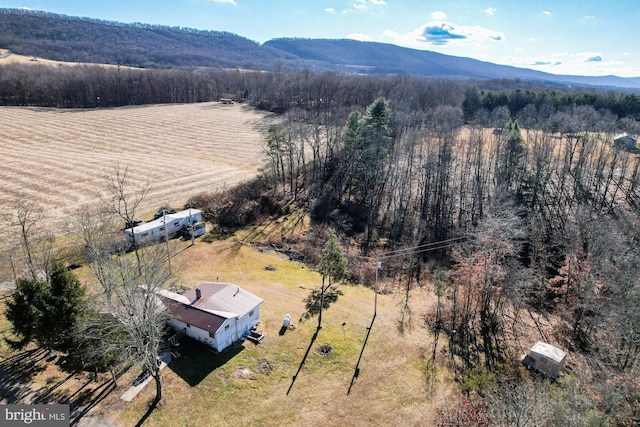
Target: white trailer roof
[(549, 351), (157, 223)]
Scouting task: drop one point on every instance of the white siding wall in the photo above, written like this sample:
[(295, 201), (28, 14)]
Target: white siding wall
[(224, 337), (247, 322)]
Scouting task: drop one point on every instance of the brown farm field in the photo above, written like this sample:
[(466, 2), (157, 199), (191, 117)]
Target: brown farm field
[(59, 158), (8, 57)]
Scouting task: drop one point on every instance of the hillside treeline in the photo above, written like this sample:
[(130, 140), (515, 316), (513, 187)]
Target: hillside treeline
[(87, 86), (537, 213), (73, 39)]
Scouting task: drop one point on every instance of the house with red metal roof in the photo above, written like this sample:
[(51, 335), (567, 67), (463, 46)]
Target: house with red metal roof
[(216, 314)]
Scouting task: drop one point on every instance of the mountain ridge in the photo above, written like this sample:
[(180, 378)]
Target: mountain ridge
[(78, 39)]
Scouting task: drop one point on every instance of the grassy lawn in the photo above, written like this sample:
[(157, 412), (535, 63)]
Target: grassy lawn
[(253, 384)]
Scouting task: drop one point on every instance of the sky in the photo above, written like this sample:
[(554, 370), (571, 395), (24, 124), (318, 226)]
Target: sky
[(577, 37)]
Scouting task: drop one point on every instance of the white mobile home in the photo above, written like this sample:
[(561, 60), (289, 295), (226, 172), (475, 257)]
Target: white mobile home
[(167, 226), (216, 314)]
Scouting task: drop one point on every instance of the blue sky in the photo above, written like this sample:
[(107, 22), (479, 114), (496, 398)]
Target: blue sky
[(582, 37)]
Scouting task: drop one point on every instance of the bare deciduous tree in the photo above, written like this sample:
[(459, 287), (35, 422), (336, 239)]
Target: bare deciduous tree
[(124, 196), (36, 241), (136, 319)]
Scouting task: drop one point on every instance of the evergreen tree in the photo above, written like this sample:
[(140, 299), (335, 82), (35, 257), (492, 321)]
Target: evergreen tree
[(512, 156), (333, 263), (47, 311), (24, 309), (62, 305)]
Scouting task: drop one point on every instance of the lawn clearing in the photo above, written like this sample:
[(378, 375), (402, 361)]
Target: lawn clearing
[(248, 385)]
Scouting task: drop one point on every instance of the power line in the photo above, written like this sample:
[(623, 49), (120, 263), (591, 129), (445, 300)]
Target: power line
[(427, 247)]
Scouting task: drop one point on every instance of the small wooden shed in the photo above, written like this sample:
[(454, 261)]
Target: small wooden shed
[(546, 358)]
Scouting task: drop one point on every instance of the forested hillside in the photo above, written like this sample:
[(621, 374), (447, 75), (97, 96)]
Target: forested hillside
[(65, 38), (512, 217)]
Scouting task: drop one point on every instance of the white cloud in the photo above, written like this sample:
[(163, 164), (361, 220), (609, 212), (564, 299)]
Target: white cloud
[(330, 10), (390, 34), (579, 63), (233, 2), (361, 4), (438, 15), (490, 10), (546, 12), (442, 33), (359, 36)]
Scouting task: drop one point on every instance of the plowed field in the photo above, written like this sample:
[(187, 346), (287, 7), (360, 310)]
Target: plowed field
[(60, 158)]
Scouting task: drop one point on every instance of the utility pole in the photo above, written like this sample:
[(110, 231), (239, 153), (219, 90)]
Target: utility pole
[(321, 304), (375, 307), (191, 228), (13, 267), (166, 238)]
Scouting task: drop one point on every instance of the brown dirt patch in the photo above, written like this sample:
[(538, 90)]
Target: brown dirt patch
[(243, 373), (324, 350), (265, 366)]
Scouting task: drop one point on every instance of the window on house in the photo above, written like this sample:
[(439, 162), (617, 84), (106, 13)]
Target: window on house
[(161, 228), (543, 359), (226, 327), (212, 334), (251, 313), (188, 325)]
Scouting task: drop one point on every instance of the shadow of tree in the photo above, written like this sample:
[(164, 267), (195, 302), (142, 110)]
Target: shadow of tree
[(16, 374), (304, 359), (312, 302), (88, 399), (196, 361), (80, 401)]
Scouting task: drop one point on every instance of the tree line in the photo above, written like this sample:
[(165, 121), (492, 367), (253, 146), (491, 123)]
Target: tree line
[(542, 210), (281, 90)]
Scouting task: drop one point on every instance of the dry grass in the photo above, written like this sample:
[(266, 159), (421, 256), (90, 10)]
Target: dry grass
[(8, 57), (391, 388), (201, 388)]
